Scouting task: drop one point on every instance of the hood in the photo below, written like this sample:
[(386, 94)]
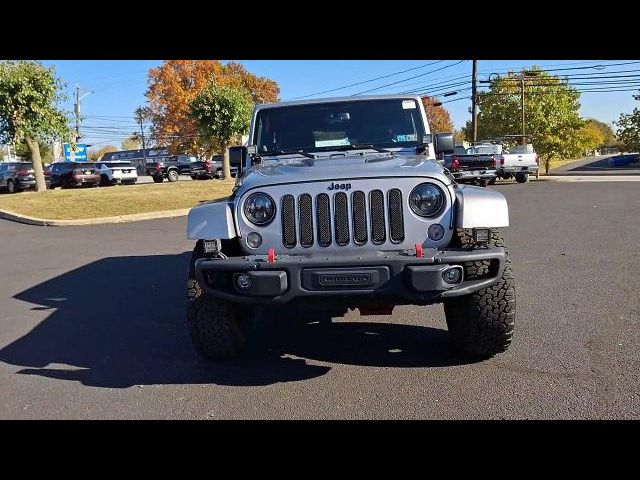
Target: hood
[(338, 167)]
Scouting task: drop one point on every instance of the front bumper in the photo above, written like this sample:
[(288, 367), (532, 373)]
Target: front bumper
[(401, 277)]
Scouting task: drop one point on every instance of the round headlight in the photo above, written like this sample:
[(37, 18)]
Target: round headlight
[(259, 208), (426, 200)]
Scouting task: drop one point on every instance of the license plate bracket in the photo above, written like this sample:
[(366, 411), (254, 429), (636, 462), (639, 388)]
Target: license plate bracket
[(344, 278)]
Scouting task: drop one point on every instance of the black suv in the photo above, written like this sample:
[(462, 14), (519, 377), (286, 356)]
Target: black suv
[(17, 176), (73, 174), (174, 166)]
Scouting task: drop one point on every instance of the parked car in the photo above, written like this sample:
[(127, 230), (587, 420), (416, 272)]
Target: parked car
[(174, 166), (518, 162), (476, 164), (117, 171), (483, 162), (74, 174), (17, 176), (340, 204), (216, 167)]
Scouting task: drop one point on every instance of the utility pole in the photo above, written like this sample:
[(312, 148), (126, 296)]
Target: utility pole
[(524, 76), (474, 101), (144, 147), (77, 110), (524, 141), (140, 116)]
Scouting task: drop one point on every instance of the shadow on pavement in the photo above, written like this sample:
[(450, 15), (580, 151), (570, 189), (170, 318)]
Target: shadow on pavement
[(602, 165), (120, 321)]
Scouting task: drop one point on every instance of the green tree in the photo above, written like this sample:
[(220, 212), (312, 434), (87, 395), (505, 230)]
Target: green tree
[(610, 139), (222, 113), (131, 143), (552, 118), (589, 138), (46, 152), (629, 129), (30, 95)]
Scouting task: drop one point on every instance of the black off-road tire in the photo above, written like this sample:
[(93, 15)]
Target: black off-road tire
[(173, 175), (11, 187), (105, 182), (195, 177), (219, 174), (481, 324), (522, 177), (158, 179), (215, 325), (492, 181), (483, 182)]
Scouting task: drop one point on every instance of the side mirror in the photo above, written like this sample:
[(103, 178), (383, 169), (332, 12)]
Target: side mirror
[(443, 143), (237, 157)]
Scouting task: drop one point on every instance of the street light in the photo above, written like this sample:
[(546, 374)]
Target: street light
[(448, 94), (77, 109)]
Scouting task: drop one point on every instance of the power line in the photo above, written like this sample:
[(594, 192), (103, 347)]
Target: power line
[(368, 81), (410, 78)]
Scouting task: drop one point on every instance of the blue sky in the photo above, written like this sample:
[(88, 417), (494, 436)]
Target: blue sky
[(119, 85)]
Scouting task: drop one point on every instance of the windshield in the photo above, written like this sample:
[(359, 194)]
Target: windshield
[(338, 125)]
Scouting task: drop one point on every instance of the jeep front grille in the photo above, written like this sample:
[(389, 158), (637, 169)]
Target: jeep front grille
[(395, 216), (305, 214), (288, 221), (323, 219), (341, 218)]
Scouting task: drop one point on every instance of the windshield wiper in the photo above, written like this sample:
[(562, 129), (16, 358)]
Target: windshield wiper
[(289, 151), (360, 146)]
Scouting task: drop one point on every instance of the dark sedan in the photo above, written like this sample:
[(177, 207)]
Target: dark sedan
[(17, 176), (73, 174)]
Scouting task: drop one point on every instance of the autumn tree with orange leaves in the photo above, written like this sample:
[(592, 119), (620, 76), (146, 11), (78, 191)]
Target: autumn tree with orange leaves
[(174, 84), (438, 116)]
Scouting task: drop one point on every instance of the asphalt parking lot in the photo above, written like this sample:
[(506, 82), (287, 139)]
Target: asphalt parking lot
[(92, 326)]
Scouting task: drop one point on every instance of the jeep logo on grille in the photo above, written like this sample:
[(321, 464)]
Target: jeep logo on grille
[(339, 186)]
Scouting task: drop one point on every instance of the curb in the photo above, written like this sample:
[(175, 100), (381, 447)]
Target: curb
[(591, 173), (136, 217)]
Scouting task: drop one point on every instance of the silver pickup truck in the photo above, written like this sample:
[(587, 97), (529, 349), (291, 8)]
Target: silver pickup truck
[(340, 204)]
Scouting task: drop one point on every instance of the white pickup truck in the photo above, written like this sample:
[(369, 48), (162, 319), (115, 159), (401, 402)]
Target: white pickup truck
[(518, 161)]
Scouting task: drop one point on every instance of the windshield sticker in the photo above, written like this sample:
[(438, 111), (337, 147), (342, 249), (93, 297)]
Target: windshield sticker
[(408, 104), (406, 138), (333, 142)]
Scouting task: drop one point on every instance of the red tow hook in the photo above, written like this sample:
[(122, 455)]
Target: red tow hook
[(419, 252), (271, 255)]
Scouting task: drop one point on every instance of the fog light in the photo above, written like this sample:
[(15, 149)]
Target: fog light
[(452, 275), (243, 281), (254, 240), (435, 232), (211, 246), (480, 234)]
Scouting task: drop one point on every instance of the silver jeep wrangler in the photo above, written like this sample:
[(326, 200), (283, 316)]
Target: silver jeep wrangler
[(340, 204)]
